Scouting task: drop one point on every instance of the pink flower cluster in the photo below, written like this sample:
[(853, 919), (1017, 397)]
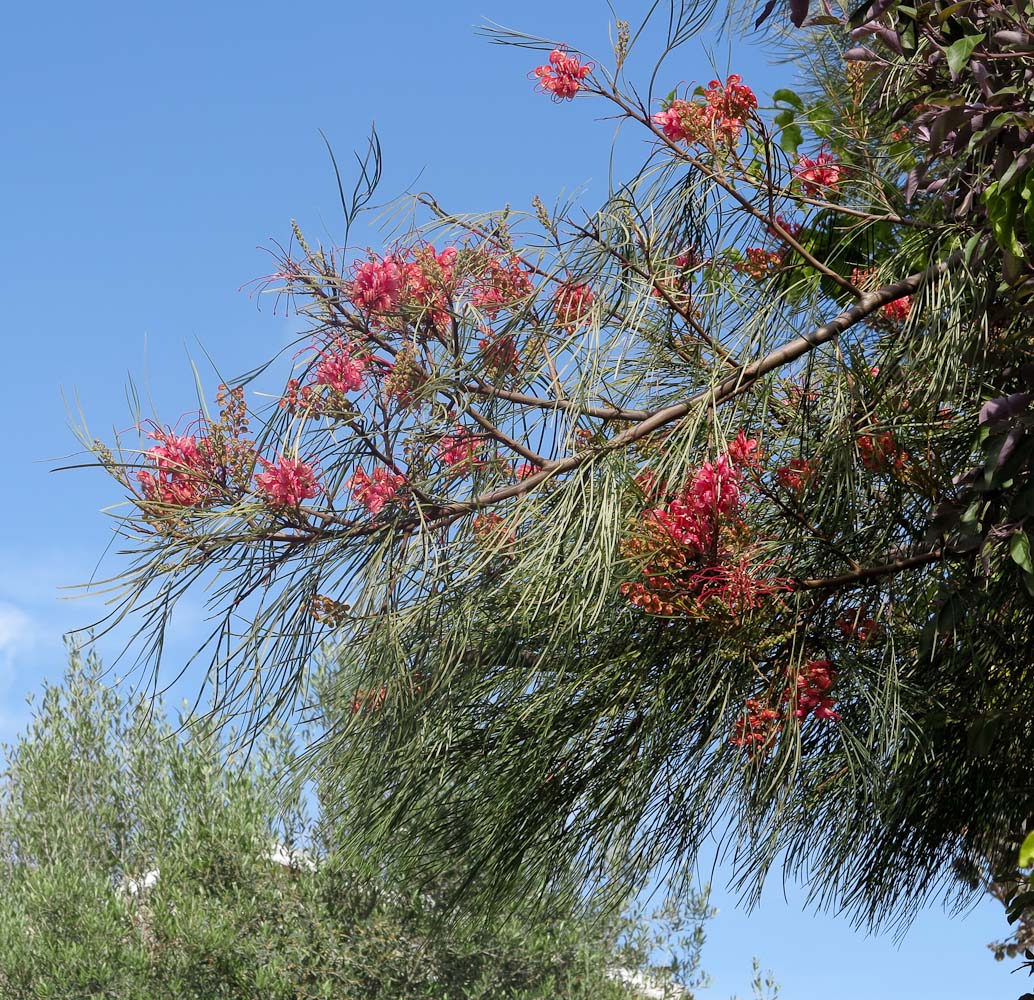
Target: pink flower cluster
[(460, 450), (286, 482), (694, 542), (819, 176), (720, 115), (759, 263), (562, 76), (182, 475), (417, 277), (798, 475), (881, 453), (377, 285), (499, 353), (810, 695), (503, 283), (896, 311), (807, 694), (757, 728), (339, 368), (373, 492), (571, 305)]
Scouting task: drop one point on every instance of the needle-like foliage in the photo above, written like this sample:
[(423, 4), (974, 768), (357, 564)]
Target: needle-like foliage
[(700, 512)]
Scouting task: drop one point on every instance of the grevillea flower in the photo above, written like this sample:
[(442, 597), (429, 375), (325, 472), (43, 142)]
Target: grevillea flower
[(683, 121), (182, 473), (562, 76), (377, 285), (373, 492), (696, 543), (881, 453), (819, 176), (719, 116), (286, 482), (525, 469), (504, 282), (728, 105), (339, 368), (571, 304), (490, 529), (896, 311), (857, 624), (759, 263), (460, 450), (757, 728), (499, 353), (798, 475), (810, 694), (806, 692)]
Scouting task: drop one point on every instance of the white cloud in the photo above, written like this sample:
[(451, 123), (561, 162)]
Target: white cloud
[(17, 630)]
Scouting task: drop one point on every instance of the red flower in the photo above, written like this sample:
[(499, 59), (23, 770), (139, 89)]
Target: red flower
[(571, 304), (182, 475), (820, 176), (373, 492), (798, 475), (562, 76), (339, 369), (287, 482)]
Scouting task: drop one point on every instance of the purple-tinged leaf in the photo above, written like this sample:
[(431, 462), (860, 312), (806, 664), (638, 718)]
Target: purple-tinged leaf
[(798, 12), (1005, 407)]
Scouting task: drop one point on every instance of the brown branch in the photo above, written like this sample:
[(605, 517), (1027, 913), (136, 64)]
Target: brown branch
[(939, 554)]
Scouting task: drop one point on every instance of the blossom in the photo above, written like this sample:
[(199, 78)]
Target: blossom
[(896, 311), (881, 453), (459, 450), (373, 492), (683, 121), (499, 352), (759, 263), (525, 469), (819, 176), (182, 475), (562, 76), (571, 304), (287, 481), (693, 542), (720, 115), (377, 285), (797, 476), (810, 694), (728, 105), (504, 282), (339, 369)]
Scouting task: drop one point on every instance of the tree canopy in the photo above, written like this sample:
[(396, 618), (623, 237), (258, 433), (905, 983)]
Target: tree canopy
[(138, 862), (701, 511)]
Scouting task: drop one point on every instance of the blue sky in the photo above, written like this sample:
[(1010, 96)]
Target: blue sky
[(150, 150)]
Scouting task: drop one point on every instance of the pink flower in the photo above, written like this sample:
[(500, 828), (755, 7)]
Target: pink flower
[(499, 352), (720, 115), (373, 492), (796, 476), (562, 76), (377, 285), (683, 121), (460, 450), (819, 176), (286, 482), (502, 284), (339, 369), (571, 305), (182, 476), (524, 470)]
